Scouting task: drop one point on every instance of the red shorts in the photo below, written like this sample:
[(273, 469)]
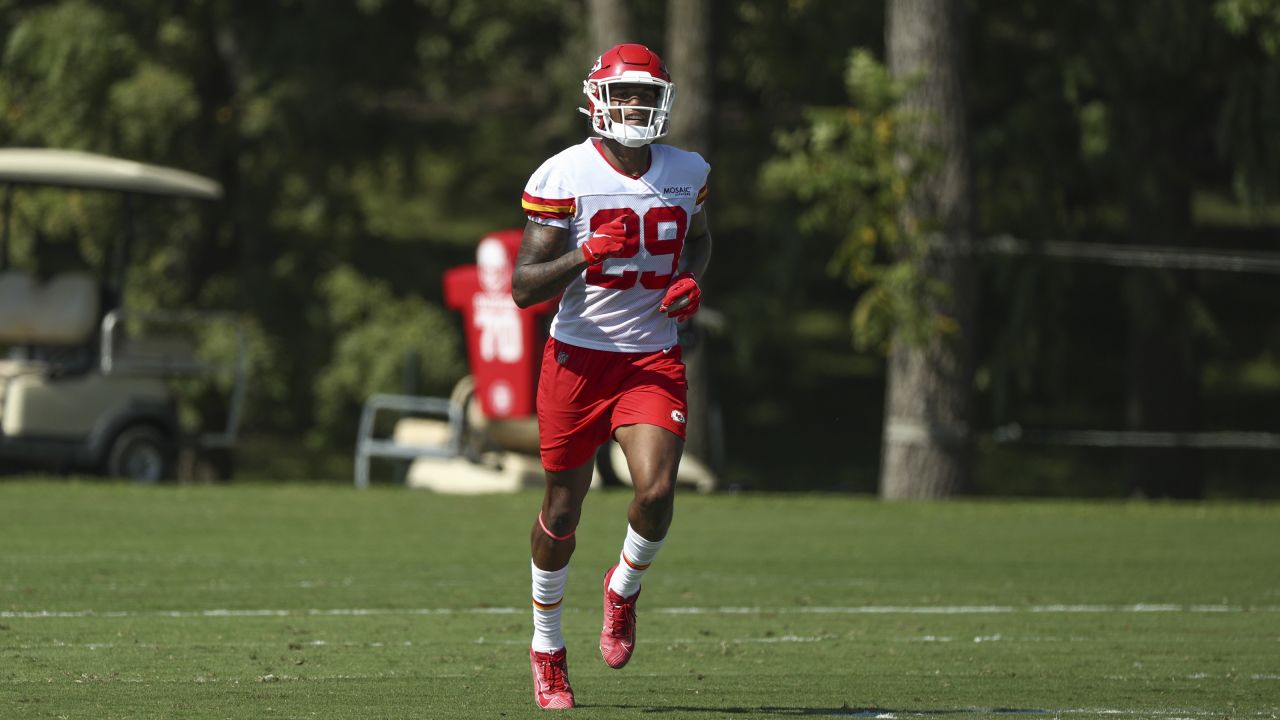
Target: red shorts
[(585, 395)]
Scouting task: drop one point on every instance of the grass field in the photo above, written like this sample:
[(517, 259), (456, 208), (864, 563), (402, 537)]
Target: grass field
[(325, 602)]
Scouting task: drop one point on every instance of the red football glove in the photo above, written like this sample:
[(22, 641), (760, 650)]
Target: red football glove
[(682, 298), (606, 242)]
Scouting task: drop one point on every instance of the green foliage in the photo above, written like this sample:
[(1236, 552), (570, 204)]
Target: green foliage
[(377, 335), (392, 155), (852, 168), (1098, 136), (62, 63), (150, 104), (1259, 18), (1251, 114)]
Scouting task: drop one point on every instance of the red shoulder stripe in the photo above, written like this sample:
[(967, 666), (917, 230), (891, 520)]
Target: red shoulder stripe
[(535, 206)]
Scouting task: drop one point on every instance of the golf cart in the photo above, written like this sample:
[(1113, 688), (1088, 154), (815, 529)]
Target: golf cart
[(87, 385)]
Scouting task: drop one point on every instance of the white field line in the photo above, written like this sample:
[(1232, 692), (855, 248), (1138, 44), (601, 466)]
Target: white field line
[(58, 644), (787, 610)]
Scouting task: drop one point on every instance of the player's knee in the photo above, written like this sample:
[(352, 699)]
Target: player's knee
[(560, 519), (656, 497)]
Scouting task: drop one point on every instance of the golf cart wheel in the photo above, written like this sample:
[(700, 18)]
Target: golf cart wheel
[(141, 453)]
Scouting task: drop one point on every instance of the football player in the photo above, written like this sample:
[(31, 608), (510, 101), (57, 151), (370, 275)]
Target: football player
[(617, 224)]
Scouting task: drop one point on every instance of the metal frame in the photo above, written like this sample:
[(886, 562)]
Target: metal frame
[(1136, 256), (111, 365), (368, 447)]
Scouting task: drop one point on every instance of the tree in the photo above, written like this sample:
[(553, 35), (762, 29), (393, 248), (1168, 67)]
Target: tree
[(609, 23), (688, 55), (1114, 136), (928, 403)]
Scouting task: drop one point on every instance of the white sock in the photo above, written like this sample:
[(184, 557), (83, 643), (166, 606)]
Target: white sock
[(548, 592), (637, 554)]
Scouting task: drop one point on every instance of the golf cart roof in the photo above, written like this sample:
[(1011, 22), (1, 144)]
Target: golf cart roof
[(70, 168)]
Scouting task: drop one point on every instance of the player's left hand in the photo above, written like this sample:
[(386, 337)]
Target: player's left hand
[(683, 297)]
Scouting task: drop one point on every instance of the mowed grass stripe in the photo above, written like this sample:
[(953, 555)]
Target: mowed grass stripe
[(342, 604), (864, 610)]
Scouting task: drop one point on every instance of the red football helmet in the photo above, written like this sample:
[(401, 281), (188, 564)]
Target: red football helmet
[(628, 64)]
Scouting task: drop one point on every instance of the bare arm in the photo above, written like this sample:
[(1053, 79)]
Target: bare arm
[(697, 247), (544, 265)]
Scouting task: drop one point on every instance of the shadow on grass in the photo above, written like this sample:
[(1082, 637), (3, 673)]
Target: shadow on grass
[(845, 711)]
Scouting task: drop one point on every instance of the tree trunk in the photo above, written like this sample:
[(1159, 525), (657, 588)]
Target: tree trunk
[(688, 57), (610, 24), (928, 401)]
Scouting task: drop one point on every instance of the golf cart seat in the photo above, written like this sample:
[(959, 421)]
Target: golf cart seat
[(159, 356), (153, 350), (62, 311)]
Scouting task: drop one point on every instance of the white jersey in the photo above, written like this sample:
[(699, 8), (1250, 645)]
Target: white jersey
[(614, 305)]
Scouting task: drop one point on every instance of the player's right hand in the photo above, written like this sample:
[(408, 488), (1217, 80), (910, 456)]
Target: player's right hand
[(606, 242), (683, 297)]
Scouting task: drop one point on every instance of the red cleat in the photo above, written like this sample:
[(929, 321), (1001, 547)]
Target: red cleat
[(551, 679), (618, 636)]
